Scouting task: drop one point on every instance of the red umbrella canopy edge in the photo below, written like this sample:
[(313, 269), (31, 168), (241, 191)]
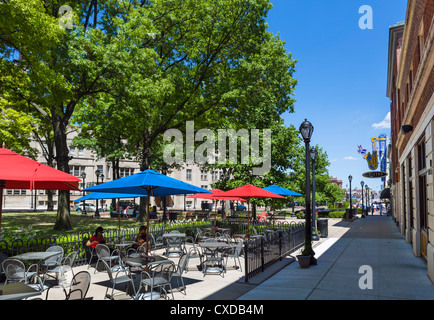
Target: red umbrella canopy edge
[(20, 172), (251, 191)]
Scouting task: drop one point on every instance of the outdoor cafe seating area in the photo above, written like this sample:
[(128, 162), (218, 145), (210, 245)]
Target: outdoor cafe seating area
[(146, 273), (119, 271)]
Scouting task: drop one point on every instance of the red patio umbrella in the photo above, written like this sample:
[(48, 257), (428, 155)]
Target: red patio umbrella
[(19, 172), (249, 191)]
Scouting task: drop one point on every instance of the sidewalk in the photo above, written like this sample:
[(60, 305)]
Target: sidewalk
[(374, 242)]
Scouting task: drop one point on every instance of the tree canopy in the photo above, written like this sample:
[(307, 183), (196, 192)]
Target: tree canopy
[(125, 72)]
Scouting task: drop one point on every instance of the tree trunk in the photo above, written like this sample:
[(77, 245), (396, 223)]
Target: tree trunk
[(50, 205), (63, 219), (145, 165), (115, 173)]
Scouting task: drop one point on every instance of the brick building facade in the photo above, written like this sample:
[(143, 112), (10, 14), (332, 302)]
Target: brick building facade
[(411, 90)]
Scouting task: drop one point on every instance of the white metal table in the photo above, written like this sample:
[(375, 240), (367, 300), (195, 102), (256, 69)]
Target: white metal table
[(214, 257), (17, 291), (175, 243)]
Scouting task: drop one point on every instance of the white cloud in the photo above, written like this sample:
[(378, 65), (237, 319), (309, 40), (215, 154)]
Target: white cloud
[(385, 124), (350, 158)]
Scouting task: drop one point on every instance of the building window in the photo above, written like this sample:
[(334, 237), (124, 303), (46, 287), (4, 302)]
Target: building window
[(80, 152), (124, 172), (76, 170), (204, 187), (9, 192), (215, 175), (72, 151), (203, 175), (421, 156), (188, 174)]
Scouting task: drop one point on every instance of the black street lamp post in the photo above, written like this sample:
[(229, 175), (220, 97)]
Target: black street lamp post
[(367, 199), (306, 130), (98, 173), (83, 176), (292, 175), (164, 171), (350, 178), (313, 154), (363, 209)]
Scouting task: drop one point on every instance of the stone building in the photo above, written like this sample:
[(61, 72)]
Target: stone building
[(85, 161), (410, 87)]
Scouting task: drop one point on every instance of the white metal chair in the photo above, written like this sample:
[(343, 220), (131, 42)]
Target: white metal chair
[(156, 243), (92, 254), (103, 253), (158, 277), (15, 271), (194, 252), (54, 261), (77, 288), (180, 268), (235, 253), (65, 266), (118, 278)]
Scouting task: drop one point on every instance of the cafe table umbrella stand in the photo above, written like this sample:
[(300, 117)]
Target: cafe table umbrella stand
[(150, 183), (248, 192)]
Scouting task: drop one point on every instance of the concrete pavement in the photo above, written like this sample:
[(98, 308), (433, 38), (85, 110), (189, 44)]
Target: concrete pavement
[(367, 259)]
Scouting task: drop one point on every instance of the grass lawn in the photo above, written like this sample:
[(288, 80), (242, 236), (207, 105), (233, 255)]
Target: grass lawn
[(43, 222)]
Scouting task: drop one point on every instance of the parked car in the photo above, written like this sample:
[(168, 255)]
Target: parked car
[(240, 207), (90, 207)]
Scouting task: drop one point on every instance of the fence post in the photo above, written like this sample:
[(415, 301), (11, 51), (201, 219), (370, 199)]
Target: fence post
[(280, 245), (262, 254), (246, 263)]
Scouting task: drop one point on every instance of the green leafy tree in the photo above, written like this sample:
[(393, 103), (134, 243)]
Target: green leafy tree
[(56, 69)]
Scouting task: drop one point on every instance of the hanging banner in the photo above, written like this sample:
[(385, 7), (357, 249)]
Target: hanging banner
[(383, 154), (372, 158)]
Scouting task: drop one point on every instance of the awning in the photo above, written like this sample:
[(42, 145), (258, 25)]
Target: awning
[(385, 194)]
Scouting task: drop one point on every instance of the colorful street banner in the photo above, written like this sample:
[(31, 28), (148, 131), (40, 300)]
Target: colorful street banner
[(372, 158)]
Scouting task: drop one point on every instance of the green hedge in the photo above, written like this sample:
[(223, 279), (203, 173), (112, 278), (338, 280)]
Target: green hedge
[(333, 214), (337, 214)]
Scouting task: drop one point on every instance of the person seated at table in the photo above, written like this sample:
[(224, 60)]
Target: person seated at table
[(141, 237), (97, 238)]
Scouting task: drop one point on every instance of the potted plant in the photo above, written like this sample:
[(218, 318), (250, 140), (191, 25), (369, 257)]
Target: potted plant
[(306, 258)]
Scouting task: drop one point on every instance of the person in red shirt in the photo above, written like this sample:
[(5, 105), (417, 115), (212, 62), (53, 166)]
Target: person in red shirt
[(97, 238)]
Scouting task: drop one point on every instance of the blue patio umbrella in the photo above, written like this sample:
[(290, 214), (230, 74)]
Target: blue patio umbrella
[(281, 191), (150, 183)]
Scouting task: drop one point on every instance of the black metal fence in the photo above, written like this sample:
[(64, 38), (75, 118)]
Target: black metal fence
[(268, 244), (77, 241), (261, 251)]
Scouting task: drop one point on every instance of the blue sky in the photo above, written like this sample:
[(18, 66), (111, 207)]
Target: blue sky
[(341, 73)]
